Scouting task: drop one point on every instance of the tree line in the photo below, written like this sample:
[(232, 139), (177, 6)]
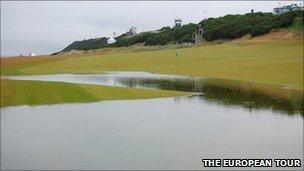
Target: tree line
[(226, 27), (255, 24)]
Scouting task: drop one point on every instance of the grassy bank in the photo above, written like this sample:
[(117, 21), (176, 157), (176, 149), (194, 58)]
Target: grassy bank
[(277, 62), (36, 92)]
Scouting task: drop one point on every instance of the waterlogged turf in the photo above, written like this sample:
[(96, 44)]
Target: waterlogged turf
[(37, 92), (277, 62)]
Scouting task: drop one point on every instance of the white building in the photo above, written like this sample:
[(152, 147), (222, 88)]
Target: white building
[(111, 40), (32, 54), (287, 8)]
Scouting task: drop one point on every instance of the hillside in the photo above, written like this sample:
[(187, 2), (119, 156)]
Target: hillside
[(281, 35), (228, 27), (258, 60), (162, 36), (87, 44)]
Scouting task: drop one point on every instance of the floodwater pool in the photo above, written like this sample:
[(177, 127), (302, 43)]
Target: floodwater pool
[(227, 119)]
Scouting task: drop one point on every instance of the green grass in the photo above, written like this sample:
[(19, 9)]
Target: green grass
[(274, 62), (37, 92), (267, 62)]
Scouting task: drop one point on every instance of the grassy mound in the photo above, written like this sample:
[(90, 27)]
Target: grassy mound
[(38, 92)]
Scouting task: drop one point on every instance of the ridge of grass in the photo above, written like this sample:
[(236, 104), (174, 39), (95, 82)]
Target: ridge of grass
[(257, 60), (16, 92), (276, 62)]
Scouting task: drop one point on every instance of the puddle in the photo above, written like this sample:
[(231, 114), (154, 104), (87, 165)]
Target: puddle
[(249, 95), (164, 133), (229, 119)]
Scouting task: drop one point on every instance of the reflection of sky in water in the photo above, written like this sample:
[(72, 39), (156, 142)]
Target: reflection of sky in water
[(110, 78), (161, 133), (223, 92)]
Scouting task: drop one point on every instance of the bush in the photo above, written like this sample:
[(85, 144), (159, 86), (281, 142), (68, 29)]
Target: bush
[(87, 44), (235, 26), (162, 36), (226, 27)]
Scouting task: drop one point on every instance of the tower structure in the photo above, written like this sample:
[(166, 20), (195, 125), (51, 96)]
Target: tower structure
[(198, 34), (178, 22)]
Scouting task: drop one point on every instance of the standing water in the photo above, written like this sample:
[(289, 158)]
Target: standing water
[(227, 119)]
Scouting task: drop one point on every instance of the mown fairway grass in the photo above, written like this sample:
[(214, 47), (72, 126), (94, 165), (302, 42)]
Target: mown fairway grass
[(260, 61), (275, 62), (37, 92)]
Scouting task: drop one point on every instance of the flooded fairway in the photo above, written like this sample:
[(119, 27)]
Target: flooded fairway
[(169, 133), (227, 119), (226, 92)]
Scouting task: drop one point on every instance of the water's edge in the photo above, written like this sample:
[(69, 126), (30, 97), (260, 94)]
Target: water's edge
[(227, 92)]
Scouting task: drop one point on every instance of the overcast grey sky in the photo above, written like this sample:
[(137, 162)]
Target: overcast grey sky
[(47, 27)]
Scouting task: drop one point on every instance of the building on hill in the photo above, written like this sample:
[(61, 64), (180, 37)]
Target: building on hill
[(287, 8), (111, 40), (198, 37), (32, 55), (178, 22), (132, 31)]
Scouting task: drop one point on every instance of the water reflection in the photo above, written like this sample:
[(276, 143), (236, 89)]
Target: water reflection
[(248, 95), (215, 122), (228, 93), (127, 134)]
